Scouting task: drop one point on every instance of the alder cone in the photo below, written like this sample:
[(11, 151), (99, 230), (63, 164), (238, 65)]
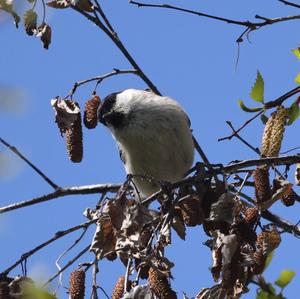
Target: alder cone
[(159, 285), (191, 211), (262, 184), (4, 289), (259, 261), (290, 198), (90, 118), (74, 141), (77, 284), (251, 216)]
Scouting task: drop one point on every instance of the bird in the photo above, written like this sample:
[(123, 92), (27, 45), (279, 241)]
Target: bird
[(153, 136)]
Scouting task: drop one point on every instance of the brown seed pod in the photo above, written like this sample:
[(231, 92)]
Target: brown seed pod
[(251, 216), (90, 118), (159, 285), (268, 240), (259, 261), (297, 175), (30, 21), (262, 184), (118, 290), (289, 198), (191, 211), (77, 284), (4, 288)]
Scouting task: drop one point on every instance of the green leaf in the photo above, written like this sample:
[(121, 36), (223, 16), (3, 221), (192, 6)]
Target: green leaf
[(247, 109), (257, 92), (264, 118), (297, 79), (269, 259), (262, 295), (293, 112), (285, 278), (296, 52)]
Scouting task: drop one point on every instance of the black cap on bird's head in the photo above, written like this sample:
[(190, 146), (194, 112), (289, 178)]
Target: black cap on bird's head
[(108, 115)]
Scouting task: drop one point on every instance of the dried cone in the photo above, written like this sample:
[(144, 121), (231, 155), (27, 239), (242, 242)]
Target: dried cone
[(268, 240), (90, 118), (262, 184), (74, 138), (4, 289), (30, 21), (119, 288), (290, 198), (191, 211), (77, 284), (251, 216), (259, 261), (159, 285), (297, 175)]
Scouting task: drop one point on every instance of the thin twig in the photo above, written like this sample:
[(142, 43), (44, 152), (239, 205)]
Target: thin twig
[(115, 39), (37, 170), (67, 265), (100, 78), (66, 251), (246, 123), (89, 189), (251, 26), (56, 236), (94, 293), (126, 285), (289, 3)]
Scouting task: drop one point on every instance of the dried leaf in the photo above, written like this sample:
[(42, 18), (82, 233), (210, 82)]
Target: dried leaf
[(104, 240), (178, 226), (44, 32), (59, 4), (139, 292)]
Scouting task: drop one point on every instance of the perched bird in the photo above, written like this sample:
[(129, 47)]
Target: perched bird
[(153, 136)]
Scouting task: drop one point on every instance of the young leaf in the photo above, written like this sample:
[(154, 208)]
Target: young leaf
[(293, 112), (297, 79), (285, 278), (297, 53), (264, 118), (269, 259), (247, 109), (257, 91)]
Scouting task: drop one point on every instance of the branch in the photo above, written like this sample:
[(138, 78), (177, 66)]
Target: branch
[(288, 160), (21, 156), (251, 26), (289, 3), (56, 236), (100, 78), (114, 37), (89, 189)]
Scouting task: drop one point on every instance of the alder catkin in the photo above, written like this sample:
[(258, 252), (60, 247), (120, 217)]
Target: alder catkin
[(77, 284), (262, 184), (278, 131), (119, 288), (74, 137), (267, 135), (159, 285), (90, 118), (251, 216)]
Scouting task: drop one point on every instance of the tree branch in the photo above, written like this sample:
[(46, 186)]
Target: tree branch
[(56, 236), (89, 189), (22, 157), (100, 78), (289, 3)]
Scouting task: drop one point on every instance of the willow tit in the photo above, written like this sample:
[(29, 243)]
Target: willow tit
[(153, 136)]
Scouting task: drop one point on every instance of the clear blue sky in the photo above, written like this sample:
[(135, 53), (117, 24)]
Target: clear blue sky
[(190, 59)]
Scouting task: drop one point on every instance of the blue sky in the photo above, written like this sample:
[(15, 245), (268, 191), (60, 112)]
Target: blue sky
[(190, 59)]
